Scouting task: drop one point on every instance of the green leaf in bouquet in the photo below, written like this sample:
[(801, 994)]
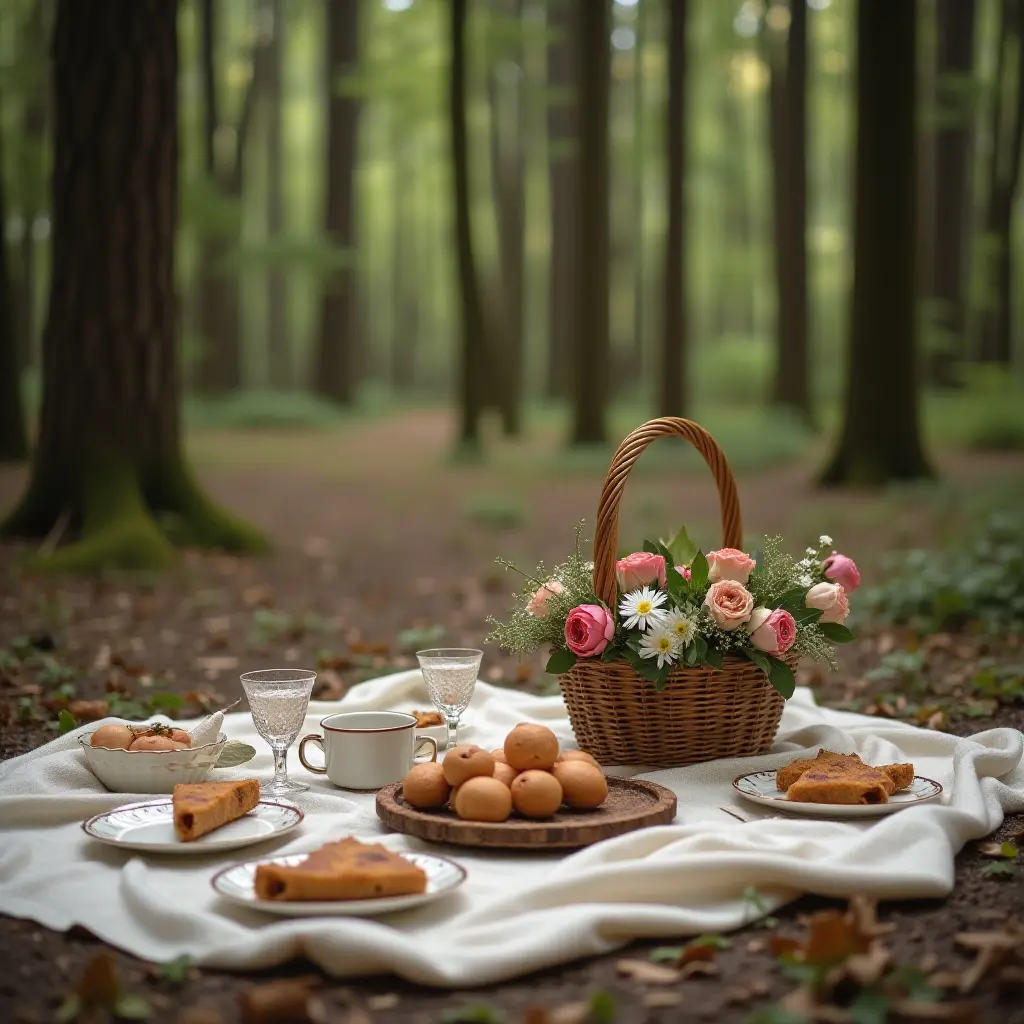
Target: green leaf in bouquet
[(680, 548), (691, 656), (835, 632), (651, 547), (661, 679), (807, 616), (698, 572), (678, 587), (793, 601), (759, 659), (559, 662), (235, 753), (645, 667), (781, 677), (713, 656)]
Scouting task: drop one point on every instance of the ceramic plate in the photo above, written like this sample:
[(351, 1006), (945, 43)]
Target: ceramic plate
[(236, 884), (759, 788), (150, 827)]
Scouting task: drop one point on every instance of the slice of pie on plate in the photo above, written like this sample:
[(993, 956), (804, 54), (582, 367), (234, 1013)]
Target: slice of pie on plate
[(343, 870), (201, 807), (878, 783)]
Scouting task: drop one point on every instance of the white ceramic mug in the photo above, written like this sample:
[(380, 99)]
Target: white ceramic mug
[(366, 749)]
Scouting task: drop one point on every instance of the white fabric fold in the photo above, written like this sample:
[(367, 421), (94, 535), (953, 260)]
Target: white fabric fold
[(517, 912)]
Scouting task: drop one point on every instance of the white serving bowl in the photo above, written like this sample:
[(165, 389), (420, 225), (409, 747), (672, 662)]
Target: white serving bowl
[(151, 771)]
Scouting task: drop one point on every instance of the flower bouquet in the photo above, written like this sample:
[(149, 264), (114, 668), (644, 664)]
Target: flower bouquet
[(678, 606), (670, 655)]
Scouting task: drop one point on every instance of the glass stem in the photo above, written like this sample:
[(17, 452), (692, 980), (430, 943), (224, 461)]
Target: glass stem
[(280, 765), (453, 732)]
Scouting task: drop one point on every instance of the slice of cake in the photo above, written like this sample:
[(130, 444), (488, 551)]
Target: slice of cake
[(841, 788), (201, 807), (893, 777), (343, 870)]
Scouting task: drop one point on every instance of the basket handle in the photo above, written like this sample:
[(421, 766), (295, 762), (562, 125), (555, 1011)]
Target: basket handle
[(606, 534)]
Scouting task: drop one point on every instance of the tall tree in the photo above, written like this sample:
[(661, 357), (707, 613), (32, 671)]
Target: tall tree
[(508, 175), (335, 366), (219, 368), (637, 203), (13, 443), (788, 139), (881, 437), (563, 160), (278, 351), (31, 174), (109, 455), (473, 346), (952, 192), (673, 385), (591, 349), (1007, 141)]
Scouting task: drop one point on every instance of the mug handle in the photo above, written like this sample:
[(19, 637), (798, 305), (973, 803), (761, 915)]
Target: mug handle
[(319, 741), (415, 754)]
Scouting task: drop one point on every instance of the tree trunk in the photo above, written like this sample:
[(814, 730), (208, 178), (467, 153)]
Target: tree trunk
[(508, 177), (788, 129), (951, 215), (278, 353), (405, 311), (881, 438), (474, 342), (109, 450), (1004, 172), (13, 443), (31, 183), (639, 163), (562, 171), (674, 390), (592, 344), (336, 363)]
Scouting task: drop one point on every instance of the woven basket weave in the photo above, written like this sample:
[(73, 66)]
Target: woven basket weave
[(702, 713)]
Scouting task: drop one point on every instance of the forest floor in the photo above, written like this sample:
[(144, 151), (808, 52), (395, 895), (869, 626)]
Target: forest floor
[(384, 544)]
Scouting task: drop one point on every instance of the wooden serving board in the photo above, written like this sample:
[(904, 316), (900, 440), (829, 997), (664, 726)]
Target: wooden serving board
[(630, 804)]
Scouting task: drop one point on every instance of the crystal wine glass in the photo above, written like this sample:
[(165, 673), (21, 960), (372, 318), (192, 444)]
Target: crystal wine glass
[(450, 674), (278, 698)]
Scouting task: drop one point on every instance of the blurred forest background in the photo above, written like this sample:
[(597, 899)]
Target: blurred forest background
[(796, 222)]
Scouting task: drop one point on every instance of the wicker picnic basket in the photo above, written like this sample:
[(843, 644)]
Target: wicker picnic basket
[(702, 713)]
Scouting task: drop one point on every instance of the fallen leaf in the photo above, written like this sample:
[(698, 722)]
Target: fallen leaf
[(738, 996), (755, 946), (784, 945), (358, 647), (102, 660), (387, 1001), (1006, 850), (868, 967), (570, 1013), (913, 1009), (655, 1000), (944, 979), (929, 962), (213, 665), (200, 1015), (288, 1001), (833, 937), (89, 710), (864, 911), (992, 948), (647, 973), (760, 986), (259, 595), (698, 969)]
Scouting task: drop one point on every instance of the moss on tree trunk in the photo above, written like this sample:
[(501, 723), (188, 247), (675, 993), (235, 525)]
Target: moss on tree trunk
[(108, 461)]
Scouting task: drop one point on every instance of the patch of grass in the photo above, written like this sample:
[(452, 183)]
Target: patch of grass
[(495, 510), (988, 415), (262, 410)]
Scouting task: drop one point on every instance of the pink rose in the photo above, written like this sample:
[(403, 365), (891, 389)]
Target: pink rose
[(772, 631), (588, 629), (831, 599), (844, 571), (729, 564), (729, 603), (684, 571), (638, 570), (538, 606)]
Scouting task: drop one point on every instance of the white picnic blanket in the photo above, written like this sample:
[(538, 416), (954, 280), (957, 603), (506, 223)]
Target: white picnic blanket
[(517, 912)]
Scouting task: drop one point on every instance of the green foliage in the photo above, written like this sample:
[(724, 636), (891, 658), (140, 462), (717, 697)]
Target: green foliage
[(476, 1013), (758, 909), (988, 415), (176, 971), (497, 511), (420, 639), (999, 682), (978, 581), (1000, 869), (65, 722), (263, 410)]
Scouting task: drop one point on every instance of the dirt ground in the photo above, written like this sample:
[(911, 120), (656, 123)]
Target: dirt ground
[(383, 545)]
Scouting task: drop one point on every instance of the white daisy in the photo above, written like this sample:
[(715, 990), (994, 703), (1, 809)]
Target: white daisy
[(824, 540), (812, 551), (640, 607), (804, 563), (660, 643), (682, 624)]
